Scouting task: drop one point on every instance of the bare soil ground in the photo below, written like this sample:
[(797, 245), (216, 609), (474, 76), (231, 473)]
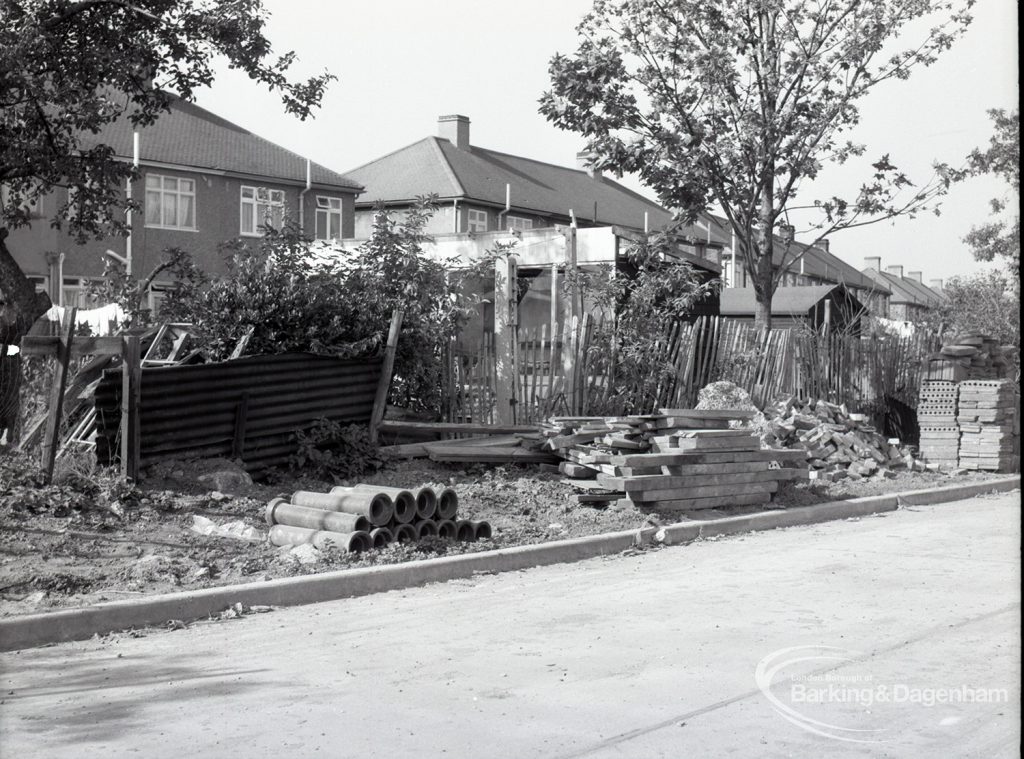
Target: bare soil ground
[(90, 539)]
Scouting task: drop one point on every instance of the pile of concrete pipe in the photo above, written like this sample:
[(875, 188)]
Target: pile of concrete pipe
[(358, 518)]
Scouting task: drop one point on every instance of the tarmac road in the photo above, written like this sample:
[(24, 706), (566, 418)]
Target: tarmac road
[(906, 630)]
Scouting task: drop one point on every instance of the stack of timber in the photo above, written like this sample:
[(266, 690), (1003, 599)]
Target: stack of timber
[(838, 443), (358, 518), (677, 460), (939, 444), (487, 444), (988, 414), (969, 357)]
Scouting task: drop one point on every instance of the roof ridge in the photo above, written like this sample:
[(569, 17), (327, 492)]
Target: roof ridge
[(396, 151), (449, 170)]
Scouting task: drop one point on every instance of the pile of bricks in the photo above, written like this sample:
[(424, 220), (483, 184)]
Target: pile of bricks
[(969, 357), (839, 444), (988, 414), (939, 443)]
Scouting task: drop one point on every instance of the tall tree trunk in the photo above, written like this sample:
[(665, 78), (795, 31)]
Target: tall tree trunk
[(20, 305)]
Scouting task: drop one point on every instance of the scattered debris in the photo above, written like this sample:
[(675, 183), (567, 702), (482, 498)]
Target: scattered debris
[(236, 529)]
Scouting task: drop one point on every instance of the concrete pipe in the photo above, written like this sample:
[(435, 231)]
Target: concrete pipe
[(404, 533), (279, 511), (381, 536), (350, 542), (377, 507), (426, 503), (464, 531), (426, 529), (447, 503), (481, 530), (447, 529), (404, 500)]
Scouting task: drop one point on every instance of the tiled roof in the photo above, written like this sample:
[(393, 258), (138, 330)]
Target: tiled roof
[(435, 165), (192, 136), (787, 301), (905, 289)]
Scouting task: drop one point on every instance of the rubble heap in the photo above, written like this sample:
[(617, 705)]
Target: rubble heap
[(840, 444), (988, 414)]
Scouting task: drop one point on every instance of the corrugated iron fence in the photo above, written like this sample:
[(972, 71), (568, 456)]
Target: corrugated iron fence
[(247, 408)]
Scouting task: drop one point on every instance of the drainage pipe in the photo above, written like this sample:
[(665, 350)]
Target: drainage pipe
[(425, 529), (481, 530), (465, 531), (279, 511), (375, 506), (447, 529), (350, 542), (381, 536), (447, 503), (404, 500), (426, 503), (404, 533)]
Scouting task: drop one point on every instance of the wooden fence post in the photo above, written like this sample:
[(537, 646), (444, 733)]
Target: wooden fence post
[(131, 395), (51, 436), (505, 319), (380, 401)]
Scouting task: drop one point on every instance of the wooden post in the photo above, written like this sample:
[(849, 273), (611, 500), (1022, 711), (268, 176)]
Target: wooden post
[(387, 367), (51, 435), (574, 307), (241, 420), (131, 395), (505, 319)]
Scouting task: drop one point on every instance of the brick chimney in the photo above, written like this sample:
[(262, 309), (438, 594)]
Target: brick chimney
[(935, 284), (873, 262), (916, 276), (896, 271), (455, 129), (823, 244), (585, 161)]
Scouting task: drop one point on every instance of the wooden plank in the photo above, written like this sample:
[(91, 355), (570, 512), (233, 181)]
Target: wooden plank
[(679, 422), (131, 395), (704, 457), (497, 454), (732, 443), (380, 401), (577, 471), (726, 414), (668, 484), (396, 425), (55, 406), (603, 498), (694, 504), (404, 451), (686, 472), (699, 434), (45, 345)]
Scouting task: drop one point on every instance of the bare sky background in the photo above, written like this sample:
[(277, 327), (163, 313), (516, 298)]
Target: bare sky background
[(401, 63)]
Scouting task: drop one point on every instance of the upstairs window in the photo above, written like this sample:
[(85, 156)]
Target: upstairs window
[(519, 223), (170, 202), (328, 218), (261, 206), (477, 220)]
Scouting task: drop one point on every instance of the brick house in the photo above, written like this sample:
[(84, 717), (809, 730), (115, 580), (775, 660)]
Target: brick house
[(910, 299), (203, 180)]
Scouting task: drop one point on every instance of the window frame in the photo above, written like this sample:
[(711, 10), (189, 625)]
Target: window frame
[(329, 211), (480, 217), (161, 191), (523, 223), (255, 203)]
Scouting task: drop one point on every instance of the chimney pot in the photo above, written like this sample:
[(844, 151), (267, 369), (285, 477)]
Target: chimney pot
[(873, 262), (585, 160), (896, 271), (455, 129), (916, 276)]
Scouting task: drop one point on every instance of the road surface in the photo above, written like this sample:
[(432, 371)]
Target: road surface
[(896, 635)]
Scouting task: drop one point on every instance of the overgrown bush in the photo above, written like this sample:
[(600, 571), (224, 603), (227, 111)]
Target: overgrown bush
[(330, 450)]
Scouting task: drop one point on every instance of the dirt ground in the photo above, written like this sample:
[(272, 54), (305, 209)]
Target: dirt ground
[(91, 538)]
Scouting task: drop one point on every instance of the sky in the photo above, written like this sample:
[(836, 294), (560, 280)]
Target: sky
[(402, 63)]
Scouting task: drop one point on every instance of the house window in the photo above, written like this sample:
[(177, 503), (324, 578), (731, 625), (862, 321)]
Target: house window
[(328, 218), (75, 292), (518, 223), (261, 206), (477, 220), (170, 202)]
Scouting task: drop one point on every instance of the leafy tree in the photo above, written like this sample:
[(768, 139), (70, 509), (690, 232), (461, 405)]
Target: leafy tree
[(740, 102), (1000, 239), (69, 67)]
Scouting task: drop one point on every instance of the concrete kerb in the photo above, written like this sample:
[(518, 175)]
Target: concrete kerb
[(77, 624)]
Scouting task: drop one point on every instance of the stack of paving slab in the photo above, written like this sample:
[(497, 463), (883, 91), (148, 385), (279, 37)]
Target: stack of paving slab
[(677, 460), (988, 414), (939, 444), (969, 357)]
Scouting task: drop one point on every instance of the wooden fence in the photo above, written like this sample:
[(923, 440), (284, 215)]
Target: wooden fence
[(584, 370)]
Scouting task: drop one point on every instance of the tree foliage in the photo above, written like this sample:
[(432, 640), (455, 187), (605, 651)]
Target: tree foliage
[(739, 103), (70, 67), (999, 240)]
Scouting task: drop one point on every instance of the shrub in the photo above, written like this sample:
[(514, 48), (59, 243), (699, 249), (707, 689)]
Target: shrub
[(330, 450)]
